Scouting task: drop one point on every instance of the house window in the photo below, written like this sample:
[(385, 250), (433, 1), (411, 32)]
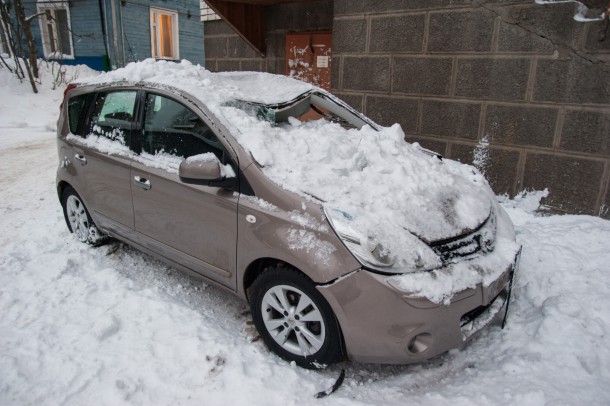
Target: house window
[(164, 33), (55, 28)]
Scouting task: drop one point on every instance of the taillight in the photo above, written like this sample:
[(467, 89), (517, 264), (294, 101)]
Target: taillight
[(68, 88)]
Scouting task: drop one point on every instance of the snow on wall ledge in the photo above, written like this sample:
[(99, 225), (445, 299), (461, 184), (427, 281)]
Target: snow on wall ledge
[(583, 14)]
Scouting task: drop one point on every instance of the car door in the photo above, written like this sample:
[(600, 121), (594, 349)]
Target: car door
[(193, 225), (103, 159)]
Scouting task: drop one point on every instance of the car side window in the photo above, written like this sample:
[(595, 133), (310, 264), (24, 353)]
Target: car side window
[(175, 129), (77, 107), (113, 115)]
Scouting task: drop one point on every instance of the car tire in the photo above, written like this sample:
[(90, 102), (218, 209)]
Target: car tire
[(78, 219), (294, 319)]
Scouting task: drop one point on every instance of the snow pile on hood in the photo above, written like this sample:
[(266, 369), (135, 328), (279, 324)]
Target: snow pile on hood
[(383, 185)]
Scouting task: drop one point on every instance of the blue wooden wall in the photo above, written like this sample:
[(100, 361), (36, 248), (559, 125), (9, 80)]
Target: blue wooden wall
[(132, 22)]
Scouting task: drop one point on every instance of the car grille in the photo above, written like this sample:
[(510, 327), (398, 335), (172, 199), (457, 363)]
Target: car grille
[(481, 239)]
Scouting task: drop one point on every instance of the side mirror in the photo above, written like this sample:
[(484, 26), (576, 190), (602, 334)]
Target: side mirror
[(199, 170), (205, 170)]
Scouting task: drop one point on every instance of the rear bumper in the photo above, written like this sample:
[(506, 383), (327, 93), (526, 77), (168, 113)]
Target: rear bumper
[(385, 324)]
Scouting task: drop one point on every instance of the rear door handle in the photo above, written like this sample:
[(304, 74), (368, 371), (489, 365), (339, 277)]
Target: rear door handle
[(141, 182), (81, 159)]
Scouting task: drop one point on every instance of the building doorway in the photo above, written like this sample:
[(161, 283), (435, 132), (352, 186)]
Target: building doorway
[(309, 57)]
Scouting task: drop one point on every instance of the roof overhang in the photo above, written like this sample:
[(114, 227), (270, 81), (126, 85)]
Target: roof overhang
[(247, 18)]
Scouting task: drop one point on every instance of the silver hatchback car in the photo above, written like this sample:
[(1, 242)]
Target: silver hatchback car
[(347, 241)]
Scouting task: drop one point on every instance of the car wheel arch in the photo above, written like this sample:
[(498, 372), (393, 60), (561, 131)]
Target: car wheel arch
[(61, 186), (257, 267)]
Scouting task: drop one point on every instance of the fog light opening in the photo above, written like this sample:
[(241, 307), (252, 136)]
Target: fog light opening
[(420, 343)]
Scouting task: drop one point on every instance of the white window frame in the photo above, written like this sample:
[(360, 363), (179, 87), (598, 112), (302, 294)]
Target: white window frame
[(42, 8), (155, 35)]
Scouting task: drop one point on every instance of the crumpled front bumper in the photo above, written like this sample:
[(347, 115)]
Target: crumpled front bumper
[(384, 324)]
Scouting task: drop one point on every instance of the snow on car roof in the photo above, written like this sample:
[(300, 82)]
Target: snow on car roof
[(211, 88)]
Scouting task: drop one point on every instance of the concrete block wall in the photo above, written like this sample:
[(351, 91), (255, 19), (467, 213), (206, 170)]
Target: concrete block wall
[(227, 51), (524, 78)]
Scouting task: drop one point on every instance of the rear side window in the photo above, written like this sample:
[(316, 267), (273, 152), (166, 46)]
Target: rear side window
[(113, 115), (77, 106)]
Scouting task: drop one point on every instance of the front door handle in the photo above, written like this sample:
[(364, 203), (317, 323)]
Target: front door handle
[(81, 159), (141, 182)]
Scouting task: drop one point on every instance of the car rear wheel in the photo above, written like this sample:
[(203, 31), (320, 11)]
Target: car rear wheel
[(78, 219), (294, 319)]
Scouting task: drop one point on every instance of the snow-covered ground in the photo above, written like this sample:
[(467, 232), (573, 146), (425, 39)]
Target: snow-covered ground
[(113, 326)]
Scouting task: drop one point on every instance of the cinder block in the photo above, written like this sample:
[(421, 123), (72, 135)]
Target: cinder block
[(499, 79), (335, 72), (349, 35), (596, 31), (215, 47), (378, 6), (370, 73), (450, 119), (210, 64), (275, 45), (275, 65), (573, 183), (521, 125), (252, 65), (389, 110), (227, 65), (415, 75), (238, 48), (461, 31), (553, 21), (397, 34), (300, 16), (498, 165), (586, 131), (354, 100), (514, 38), (217, 27), (572, 81)]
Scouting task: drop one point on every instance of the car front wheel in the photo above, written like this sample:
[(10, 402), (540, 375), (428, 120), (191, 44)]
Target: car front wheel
[(294, 319)]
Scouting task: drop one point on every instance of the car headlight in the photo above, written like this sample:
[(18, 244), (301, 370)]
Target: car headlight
[(371, 253)]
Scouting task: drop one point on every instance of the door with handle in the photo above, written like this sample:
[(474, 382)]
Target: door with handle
[(193, 225), (106, 159)]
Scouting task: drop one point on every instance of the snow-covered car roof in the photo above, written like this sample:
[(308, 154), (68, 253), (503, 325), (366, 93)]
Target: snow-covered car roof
[(211, 88)]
